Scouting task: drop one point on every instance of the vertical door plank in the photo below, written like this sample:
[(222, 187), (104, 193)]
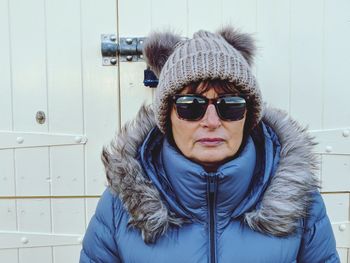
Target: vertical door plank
[(336, 64), (28, 53), (32, 171), (132, 91), (9, 255), (67, 170), (335, 172), (64, 66), (240, 14), (5, 69), (66, 254), (204, 14), (134, 18), (8, 216), (7, 174), (273, 67), (307, 62), (37, 255), (95, 177), (100, 92), (91, 204), (343, 254), (169, 15), (337, 206), (34, 215), (68, 216)]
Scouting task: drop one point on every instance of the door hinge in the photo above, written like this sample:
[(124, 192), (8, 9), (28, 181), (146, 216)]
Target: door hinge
[(124, 49)]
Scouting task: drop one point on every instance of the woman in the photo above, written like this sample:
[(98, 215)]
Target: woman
[(209, 175)]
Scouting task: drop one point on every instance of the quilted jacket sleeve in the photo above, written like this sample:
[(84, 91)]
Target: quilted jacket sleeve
[(318, 243), (99, 245)]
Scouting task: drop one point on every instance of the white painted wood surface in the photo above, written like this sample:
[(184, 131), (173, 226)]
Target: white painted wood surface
[(335, 179), (5, 69), (11, 140), (336, 72), (332, 141), (273, 61), (9, 240), (50, 61), (51, 174), (306, 61)]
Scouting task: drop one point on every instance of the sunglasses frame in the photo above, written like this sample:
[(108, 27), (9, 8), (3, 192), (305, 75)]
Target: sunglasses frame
[(208, 102)]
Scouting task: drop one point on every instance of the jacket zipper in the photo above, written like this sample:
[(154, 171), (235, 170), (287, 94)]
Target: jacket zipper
[(211, 200)]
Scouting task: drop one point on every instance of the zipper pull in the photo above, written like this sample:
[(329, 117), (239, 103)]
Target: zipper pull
[(212, 183)]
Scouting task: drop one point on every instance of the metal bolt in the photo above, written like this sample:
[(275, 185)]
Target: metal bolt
[(129, 58), (113, 61), (106, 61), (84, 139), (24, 240), (113, 38), (342, 227), (329, 149), (80, 139), (346, 133), (20, 139), (129, 41)]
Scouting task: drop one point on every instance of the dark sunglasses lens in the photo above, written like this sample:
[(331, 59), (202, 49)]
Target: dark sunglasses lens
[(231, 108), (190, 107)]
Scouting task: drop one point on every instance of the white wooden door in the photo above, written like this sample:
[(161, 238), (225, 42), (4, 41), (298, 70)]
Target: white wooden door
[(51, 175), (301, 66)]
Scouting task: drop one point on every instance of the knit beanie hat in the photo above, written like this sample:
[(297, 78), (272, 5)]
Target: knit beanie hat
[(226, 55)]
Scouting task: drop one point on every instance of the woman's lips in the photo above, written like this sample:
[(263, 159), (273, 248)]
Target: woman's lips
[(210, 141)]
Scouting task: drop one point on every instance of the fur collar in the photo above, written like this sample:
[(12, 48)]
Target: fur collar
[(285, 201)]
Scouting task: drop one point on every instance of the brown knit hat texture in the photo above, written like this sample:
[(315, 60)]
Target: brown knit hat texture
[(177, 62)]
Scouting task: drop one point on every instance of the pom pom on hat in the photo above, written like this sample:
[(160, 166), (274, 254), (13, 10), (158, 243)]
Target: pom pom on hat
[(158, 48), (244, 43)]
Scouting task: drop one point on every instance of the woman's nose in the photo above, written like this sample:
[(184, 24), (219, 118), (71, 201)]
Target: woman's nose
[(211, 119)]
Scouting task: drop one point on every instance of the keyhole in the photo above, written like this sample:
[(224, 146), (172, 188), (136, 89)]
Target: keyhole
[(40, 117)]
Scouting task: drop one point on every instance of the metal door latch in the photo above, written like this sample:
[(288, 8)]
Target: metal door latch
[(128, 49)]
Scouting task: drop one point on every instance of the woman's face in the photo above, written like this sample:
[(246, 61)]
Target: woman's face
[(210, 140)]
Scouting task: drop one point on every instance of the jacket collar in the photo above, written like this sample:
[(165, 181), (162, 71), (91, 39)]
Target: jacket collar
[(282, 204), (184, 185)]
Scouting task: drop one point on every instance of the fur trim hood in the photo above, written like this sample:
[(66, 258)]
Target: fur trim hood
[(285, 201)]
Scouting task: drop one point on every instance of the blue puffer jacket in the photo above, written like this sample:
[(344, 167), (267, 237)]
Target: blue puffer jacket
[(262, 206)]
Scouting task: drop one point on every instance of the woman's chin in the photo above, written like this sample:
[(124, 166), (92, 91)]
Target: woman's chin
[(211, 156)]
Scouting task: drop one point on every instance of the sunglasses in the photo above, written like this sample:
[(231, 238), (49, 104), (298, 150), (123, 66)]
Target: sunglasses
[(192, 107)]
